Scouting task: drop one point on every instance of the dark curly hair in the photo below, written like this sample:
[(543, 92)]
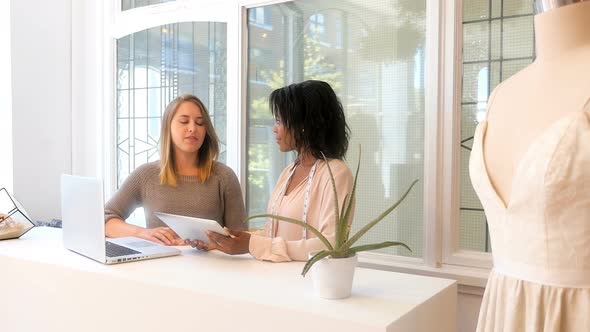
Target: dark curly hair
[(311, 111)]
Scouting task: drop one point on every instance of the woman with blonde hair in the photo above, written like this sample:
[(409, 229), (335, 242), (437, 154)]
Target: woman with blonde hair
[(187, 180)]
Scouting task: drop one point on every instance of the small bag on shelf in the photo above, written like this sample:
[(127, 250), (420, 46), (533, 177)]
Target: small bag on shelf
[(14, 221)]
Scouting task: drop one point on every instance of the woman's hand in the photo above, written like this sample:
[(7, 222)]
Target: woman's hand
[(6, 220), (237, 243), (200, 245), (162, 235)]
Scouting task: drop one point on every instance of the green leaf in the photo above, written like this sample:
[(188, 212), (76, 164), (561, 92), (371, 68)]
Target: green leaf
[(378, 246), (352, 200), (334, 191), (339, 233), (370, 225), (343, 209), (296, 222), (315, 259)]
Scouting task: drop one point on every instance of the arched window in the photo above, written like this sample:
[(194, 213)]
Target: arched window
[(156, 65), (163, 49)]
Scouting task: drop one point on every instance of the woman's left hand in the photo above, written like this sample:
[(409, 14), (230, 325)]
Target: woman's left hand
[(237, 243)]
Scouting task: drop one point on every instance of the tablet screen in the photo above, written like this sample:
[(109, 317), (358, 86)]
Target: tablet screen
[(191, 228)]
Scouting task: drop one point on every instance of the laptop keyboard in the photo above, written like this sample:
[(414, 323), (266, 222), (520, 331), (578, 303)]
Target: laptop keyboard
[(115, 250)]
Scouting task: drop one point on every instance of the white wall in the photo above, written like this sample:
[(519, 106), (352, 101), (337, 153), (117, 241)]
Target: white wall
[(41, 100), (87, 68), (468, 311), (5, 100)]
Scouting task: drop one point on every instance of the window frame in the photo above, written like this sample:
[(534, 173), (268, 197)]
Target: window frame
[(443, 72), (452, 90)]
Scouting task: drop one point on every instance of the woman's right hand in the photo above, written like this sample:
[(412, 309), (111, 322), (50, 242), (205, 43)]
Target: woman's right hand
[(3, 218), (162, 235), (200, 245)]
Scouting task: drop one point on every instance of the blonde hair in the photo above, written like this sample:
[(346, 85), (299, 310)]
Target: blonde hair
[(207, 154)]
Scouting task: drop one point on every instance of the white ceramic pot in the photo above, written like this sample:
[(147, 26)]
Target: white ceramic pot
[(332, 277)]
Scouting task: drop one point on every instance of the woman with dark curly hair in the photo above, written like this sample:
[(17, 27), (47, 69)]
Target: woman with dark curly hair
[(309, 120)]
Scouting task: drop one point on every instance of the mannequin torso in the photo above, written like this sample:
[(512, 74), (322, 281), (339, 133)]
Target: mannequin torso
[(558, 83)]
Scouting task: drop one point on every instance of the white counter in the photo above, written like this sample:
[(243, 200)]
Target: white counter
[(44, 287)]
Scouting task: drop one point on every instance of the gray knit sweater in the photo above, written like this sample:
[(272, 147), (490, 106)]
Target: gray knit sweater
[(219, 198)]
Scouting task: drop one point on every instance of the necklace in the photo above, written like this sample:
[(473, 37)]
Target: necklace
[(281, 194)]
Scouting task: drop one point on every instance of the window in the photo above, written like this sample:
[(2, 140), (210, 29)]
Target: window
[(155, 66), (159, 55), (377, 72), (497, 42)]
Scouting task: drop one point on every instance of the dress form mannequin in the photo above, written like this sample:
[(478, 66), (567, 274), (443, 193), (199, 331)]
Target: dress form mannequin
[(557, 83), (529, 167)]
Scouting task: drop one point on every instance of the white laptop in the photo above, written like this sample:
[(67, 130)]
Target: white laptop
[(82, 211)]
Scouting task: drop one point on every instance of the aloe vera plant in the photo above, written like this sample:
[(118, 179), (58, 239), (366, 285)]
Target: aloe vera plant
[(343, 246)]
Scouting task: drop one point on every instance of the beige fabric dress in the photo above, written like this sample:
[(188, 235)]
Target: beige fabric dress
[(541, 239)]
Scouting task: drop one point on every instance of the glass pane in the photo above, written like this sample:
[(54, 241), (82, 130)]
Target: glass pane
[(154, 75), (476, 41), (123, 75), (517, 7), (511, 49), (496, 39), (130, 4), (506, 8), (495, 75), (496, 7), (152, 65), (140, 106), (475, 82), (474, 235), (153, 105), (123, 48), (372, 54), (123, 150), (517, 37), (477, 10), (154, 41), (123, 103)]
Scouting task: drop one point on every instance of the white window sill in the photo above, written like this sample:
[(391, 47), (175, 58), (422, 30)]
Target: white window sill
[(471, 280)]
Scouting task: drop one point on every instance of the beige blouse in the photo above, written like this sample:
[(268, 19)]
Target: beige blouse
[(287, 243)]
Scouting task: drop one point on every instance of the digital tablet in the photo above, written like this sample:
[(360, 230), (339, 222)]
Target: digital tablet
[(190, 228)]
